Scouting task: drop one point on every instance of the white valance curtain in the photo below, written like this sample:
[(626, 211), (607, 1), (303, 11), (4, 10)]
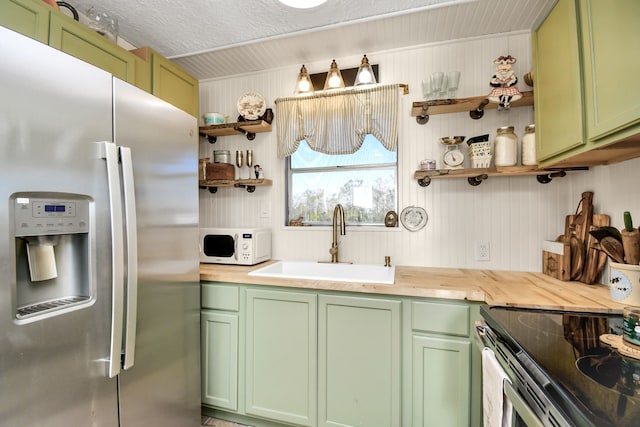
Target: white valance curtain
[(336, 122)]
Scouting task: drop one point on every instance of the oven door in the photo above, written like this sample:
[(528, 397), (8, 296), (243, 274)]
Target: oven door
[(522, 414)]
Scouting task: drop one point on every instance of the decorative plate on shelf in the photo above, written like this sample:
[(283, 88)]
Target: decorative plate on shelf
[(251, 106), (413, 218)]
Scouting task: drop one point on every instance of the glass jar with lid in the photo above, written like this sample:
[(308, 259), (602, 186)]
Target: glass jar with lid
[(529, 146), (505, 147)]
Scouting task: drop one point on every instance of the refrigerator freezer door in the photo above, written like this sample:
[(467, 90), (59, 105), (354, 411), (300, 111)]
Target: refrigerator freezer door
[(54, 110), (162, 388)]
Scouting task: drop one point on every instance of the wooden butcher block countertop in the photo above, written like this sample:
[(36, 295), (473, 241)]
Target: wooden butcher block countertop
[(495, 287)]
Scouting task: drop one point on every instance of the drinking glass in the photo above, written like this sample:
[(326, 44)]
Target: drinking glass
[(239, 161), (427, 90), (249, 161), (437, 80), (453, 79)]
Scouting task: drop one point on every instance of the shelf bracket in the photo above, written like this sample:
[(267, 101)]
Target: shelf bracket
[(479, 112), (423, 118), (212, 139), (250, 188), (424, 182), (213, 190), (545, 179), (477, 180)]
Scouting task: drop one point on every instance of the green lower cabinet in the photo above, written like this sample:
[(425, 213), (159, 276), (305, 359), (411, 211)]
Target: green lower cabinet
[(441, 382), (219, 341), (281, 356), (359, 362)]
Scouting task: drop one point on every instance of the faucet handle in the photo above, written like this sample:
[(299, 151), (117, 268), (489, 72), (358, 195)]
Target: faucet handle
[(387, 261)]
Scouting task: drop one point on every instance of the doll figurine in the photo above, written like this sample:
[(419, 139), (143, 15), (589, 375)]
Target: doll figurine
[(504, 83)]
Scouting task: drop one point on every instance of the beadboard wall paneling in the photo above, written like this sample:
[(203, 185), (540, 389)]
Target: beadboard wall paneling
[(514, 215)]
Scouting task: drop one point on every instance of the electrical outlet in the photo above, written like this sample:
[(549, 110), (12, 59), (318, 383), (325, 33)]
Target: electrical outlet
[(483, 252), (265, 209)]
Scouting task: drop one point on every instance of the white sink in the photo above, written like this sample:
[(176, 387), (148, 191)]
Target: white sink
[(361, 273)]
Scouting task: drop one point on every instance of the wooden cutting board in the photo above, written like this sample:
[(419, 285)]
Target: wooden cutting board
[(595, 259)]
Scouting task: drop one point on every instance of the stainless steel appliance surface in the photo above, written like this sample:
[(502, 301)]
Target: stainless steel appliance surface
[(99, 303), (243, 246), (558, 364)]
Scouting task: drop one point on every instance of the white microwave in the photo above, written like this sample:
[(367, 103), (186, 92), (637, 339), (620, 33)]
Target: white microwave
[(242, 246)]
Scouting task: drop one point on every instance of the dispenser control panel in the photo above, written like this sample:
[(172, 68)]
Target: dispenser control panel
[(38, 216)]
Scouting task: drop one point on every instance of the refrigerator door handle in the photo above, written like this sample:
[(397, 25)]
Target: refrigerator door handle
[(131, 258), (117, 258)]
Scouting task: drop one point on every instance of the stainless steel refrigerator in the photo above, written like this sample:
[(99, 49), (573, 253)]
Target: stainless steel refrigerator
[(99, 282)]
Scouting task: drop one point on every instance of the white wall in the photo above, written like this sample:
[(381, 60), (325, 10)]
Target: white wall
[(513, 214)]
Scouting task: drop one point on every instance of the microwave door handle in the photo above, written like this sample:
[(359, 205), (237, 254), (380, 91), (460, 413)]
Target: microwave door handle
[(130, 220), (520, 406), (235, 246), (117, 258)]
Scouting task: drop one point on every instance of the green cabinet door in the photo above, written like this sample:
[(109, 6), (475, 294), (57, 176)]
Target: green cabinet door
[(359, 362), (28, 17), (610, 39), (281, 356), (83, 43), (219, 341), (558, 91), (441, 382)]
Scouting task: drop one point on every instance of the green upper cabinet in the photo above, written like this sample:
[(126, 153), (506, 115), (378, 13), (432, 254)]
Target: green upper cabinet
[(170, 82), (586, 85), (558, 93), (83, 43), (28, 17), (610, 39)]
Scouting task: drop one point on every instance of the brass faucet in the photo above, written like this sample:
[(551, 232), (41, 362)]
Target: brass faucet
[(337, 211)]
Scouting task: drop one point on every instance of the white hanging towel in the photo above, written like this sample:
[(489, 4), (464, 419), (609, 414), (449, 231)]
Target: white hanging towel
[(497, 408)]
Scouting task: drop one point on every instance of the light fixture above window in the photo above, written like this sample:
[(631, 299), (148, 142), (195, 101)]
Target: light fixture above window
[(365, 74), (304, 84), (302, 4), (334, 77)]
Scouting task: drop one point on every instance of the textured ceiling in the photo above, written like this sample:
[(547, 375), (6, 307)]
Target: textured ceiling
[(215, 38)]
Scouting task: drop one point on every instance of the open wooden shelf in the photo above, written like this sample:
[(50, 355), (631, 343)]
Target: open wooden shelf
[(249, 128), (249, 184), (458, 105), (476, 175)]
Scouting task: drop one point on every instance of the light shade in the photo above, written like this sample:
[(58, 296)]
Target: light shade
[(304, 84), (365, 74), (334, 77), (302, 4)]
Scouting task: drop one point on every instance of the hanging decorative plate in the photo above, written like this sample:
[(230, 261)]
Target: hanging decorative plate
[(251, 106), (413, 218)]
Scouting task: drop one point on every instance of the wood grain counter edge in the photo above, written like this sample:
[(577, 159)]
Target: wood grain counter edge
[(495, 287)]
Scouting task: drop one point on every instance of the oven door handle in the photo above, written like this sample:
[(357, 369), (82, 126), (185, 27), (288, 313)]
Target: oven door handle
[(520, 406)]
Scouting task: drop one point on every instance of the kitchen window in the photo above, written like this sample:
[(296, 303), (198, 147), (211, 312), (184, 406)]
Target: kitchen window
[(364, 182), (342, 148)]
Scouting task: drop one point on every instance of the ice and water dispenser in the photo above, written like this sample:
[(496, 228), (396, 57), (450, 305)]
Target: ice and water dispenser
[(51, 232)]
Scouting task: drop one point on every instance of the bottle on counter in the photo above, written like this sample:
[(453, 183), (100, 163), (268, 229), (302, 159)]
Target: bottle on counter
[(529, 146), (505, 147)]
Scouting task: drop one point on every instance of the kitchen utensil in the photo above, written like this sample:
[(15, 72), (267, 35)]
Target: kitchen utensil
[(630, 241), (601, 232), (613, 248), (576, 247), (595, 259)]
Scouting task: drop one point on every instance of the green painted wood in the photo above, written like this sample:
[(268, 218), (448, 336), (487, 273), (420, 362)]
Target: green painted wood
[(75, 39), (441, 382), (441, 318), (557, 73), (281, 356), (219, 346), (359, 362), (610, 38), (216, 296), (174, 85), (28, 17)]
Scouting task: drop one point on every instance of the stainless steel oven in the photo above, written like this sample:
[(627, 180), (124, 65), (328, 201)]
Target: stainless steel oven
[(561, 373)]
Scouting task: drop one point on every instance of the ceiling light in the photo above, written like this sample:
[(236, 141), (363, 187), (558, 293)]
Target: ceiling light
[(304, 84), (302, 4), (365, 74), (334, 77)]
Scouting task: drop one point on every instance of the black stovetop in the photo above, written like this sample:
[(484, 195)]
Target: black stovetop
[(589, 380)]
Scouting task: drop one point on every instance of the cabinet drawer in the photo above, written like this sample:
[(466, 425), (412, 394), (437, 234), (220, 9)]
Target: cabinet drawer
[(440, 318), (220, 297)]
